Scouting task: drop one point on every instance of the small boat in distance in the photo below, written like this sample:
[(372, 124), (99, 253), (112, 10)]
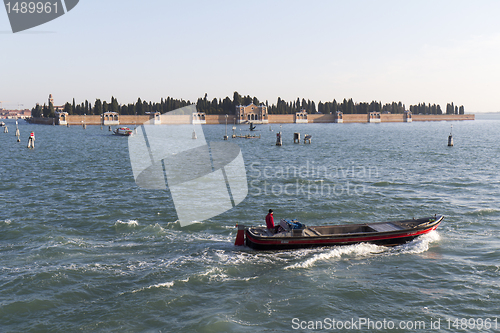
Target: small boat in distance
[(2, 124), (125, 131), (295, 235)]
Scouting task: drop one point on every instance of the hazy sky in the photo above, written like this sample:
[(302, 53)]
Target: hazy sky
[(410, 51)]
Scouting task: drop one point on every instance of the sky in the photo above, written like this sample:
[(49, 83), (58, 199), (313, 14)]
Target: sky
[(435, 52)]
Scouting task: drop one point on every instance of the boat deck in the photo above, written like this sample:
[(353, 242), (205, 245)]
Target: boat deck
[(318, 231), (389, 226)]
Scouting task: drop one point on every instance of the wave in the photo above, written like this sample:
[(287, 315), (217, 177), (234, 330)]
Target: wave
[(386, 183), (155, 286), (129, 223), (156, 228), (418, 245), (357, 250), (483, 212)]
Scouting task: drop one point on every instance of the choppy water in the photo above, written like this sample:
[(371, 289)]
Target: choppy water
[(84, 249)]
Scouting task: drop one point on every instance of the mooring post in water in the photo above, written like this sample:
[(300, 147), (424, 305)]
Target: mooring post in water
[(18, 134), (450, 138), (31, 140), (225, 136), (296, 137)]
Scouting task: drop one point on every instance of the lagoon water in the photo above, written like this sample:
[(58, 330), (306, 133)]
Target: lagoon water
[(84, 249)]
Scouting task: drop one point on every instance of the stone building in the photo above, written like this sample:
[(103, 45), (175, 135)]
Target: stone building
[(110, 118), (252, 114), (301, 117), (374, 117), (56, 107)]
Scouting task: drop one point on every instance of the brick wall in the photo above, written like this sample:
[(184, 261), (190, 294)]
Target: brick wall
[(273, 119), (321, 118), (355, 118), (440, 117), (281, 118), (220, 119)]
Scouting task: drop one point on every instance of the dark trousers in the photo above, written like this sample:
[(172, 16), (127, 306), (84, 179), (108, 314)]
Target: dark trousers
[(274, 230)]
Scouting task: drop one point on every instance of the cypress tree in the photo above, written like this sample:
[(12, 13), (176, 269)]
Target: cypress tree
[(138, 107), (98, 107)]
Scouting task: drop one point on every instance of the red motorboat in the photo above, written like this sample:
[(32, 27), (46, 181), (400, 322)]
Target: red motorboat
[(296, 235), (124, 131)]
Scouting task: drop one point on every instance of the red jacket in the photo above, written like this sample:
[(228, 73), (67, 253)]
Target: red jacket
[(270, 221)]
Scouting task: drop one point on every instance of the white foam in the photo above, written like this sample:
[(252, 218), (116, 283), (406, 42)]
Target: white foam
[(130, 223), (358, 250), (154, 286), (162, 285), (420, 244), (7, 221), (157, 227)]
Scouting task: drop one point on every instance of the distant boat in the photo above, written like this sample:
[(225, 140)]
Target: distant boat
[(125, 131), (247, 136), (295, 235), (2, 124)]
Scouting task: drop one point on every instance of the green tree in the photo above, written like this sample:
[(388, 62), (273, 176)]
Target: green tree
[(98, 106), (37, 111), (138, 107), (68, 108), (350, 106), (326, 108), (236, 100), (114, 107), (49, 111)]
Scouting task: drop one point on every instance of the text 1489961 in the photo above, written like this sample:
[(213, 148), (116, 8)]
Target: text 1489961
[(31, 7)]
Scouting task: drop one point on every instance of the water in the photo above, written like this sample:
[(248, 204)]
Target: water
[(84, 249)]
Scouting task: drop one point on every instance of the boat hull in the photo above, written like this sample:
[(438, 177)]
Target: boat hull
[(123, 131), (382, 233)]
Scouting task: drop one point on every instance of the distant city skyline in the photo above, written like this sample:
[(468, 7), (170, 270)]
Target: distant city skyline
[(434, 52)]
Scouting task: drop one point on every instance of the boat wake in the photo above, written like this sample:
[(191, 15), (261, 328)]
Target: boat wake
[(357, 250), (419, 245)]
